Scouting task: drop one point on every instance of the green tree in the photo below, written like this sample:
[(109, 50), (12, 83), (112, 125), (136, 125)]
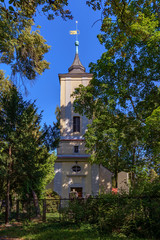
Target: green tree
[(26, 163), (153, 138), (20, 46), (4, 83), (109, 135), (125, 78)]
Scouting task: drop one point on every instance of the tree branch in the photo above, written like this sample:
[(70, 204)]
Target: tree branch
[(135, 111)]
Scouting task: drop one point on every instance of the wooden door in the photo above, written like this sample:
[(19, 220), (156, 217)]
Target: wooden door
[(78, 190)]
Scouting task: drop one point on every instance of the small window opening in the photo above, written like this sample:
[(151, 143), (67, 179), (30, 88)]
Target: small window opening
[(76, 124), (76, 149), (76, 168)]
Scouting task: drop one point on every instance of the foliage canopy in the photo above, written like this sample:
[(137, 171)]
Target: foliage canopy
[(123, 96), (20, 46)]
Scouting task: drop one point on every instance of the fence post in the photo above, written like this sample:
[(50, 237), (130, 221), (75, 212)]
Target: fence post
[(7, 209), (17, 209), (59, 210), (44, 210), (29, 209)]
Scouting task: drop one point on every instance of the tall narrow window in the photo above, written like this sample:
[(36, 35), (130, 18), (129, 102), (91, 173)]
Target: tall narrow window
[(76, 149), (76, 124)]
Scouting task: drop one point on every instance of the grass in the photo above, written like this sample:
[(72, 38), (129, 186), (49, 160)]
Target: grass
[(53, 231)]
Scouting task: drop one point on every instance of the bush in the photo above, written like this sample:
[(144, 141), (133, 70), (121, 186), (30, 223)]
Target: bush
[(135, 214), (52, 201)]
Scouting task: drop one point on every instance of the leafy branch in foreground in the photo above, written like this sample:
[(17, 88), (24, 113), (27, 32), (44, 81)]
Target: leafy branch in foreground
[(20, 46), (124, 94)]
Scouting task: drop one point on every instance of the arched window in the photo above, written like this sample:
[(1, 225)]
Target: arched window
[(76, 124), (76, 168)]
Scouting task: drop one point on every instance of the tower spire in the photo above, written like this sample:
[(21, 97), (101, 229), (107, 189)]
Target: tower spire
[(76, 65)]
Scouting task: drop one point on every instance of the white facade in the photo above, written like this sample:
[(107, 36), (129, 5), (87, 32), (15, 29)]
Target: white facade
[(72, 168)]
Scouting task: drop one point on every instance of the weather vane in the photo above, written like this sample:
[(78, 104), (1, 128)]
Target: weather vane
[(75, 32)]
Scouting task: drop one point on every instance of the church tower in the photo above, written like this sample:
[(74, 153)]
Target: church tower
[(72, 169)]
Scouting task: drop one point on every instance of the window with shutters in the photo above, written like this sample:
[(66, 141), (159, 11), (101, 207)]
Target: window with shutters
[(76, 124)]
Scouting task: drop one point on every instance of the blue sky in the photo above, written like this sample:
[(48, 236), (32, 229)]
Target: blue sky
[(46, 89)]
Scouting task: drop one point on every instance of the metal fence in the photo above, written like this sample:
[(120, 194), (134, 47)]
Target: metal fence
[(21, 210), (72, 209)]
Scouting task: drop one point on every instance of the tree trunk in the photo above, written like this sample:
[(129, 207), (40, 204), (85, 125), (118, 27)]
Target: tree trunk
[(36, 204), (116, 178), (133, 166), (7, 213), (116, 169), (7, 202), (17, 210)]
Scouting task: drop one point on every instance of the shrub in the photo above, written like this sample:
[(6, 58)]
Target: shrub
[(135, 214), (52, 201)]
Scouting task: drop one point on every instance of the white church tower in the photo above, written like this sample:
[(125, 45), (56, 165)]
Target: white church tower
[(72, 168)]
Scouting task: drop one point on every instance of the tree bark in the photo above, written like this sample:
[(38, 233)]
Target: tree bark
[(8, 188), (17, 210), (7, 202), (36, 204), (116, 169), (116, 178), (133, 165)]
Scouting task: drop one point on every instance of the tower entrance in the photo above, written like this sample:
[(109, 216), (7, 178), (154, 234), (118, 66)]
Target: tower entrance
[(79, 190)]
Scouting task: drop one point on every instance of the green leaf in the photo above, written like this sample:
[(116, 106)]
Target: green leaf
[(11, 8)]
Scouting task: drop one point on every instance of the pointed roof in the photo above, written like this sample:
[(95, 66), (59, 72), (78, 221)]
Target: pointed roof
[(76, 69), (76, 66)]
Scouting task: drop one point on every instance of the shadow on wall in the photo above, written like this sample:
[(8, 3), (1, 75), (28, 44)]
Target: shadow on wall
[(66, 121)]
